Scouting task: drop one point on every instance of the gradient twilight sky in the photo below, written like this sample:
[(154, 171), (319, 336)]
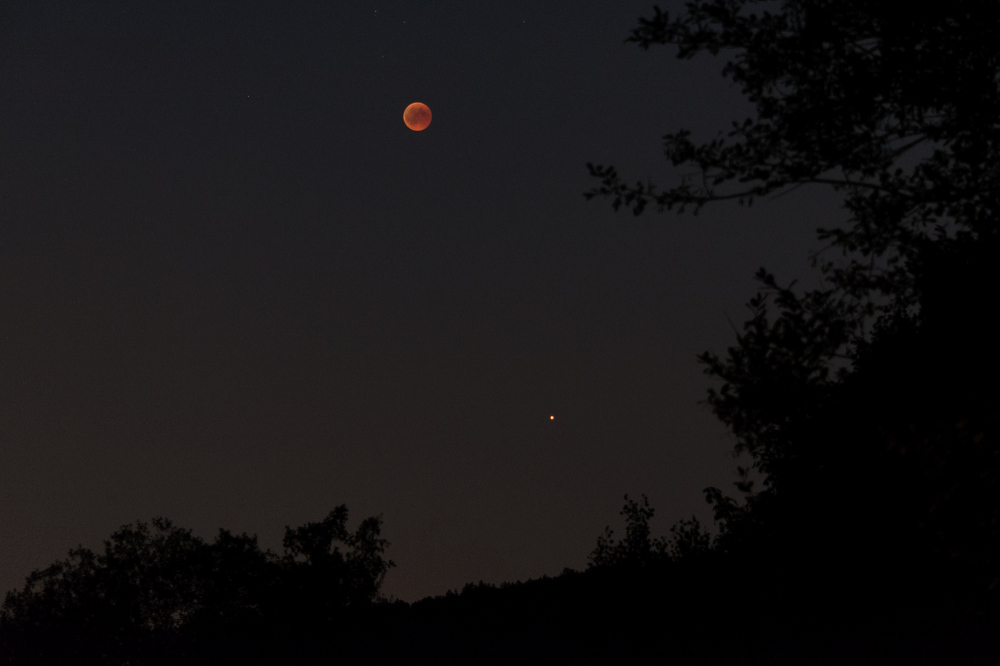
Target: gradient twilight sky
[(236, 291)]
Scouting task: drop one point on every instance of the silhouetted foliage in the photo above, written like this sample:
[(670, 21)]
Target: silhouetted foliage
[(868, 404), (321, 579), (157, 592), (639, 549)]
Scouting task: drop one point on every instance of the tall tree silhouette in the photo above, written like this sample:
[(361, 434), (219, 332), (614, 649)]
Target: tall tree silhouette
[(868, 404)]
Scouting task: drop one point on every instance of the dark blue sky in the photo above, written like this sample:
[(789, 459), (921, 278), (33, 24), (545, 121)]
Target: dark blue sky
[(236, 291)]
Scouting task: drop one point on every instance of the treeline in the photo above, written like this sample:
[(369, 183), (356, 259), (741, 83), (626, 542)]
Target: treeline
[(157, 595)]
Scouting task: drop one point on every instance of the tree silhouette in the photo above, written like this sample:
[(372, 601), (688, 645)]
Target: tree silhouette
[(868, 404), (639, 549), (157, 593), (319, 580)]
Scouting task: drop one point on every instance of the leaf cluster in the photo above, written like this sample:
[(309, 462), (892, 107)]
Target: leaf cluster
[(896, 110)]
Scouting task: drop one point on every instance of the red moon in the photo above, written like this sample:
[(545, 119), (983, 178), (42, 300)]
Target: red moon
[(417, 116)]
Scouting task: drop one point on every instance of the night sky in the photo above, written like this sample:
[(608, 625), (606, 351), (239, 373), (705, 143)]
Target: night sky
[(236, 290)]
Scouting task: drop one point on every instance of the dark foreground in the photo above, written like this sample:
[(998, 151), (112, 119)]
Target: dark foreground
[(669, 615)]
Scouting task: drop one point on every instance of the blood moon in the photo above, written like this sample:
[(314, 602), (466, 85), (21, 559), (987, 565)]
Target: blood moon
[(417, 116)]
